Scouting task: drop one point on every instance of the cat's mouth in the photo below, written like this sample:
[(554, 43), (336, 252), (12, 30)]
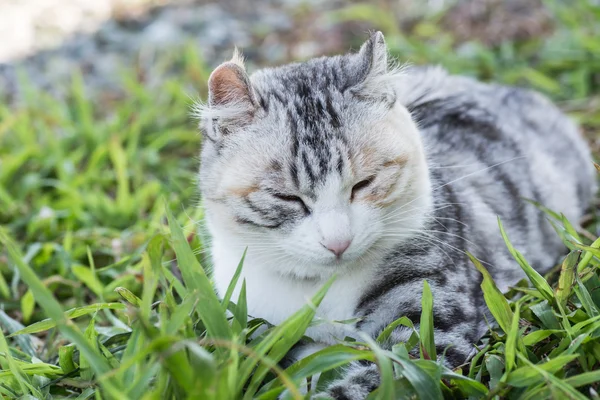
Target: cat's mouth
[(300, 268), (335, 263), (340, 263)]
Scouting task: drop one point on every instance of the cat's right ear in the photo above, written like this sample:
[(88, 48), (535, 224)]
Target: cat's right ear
[(231, 99), (374, 56), (229, 84)]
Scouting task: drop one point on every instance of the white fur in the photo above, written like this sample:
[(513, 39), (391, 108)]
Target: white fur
[(275, 297)]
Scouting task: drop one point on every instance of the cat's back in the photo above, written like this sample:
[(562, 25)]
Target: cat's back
[(463, 119), (498, 145)]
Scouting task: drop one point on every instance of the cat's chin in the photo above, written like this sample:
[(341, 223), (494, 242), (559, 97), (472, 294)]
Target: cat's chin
[(317, 270)]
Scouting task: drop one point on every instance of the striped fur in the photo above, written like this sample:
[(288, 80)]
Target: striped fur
[(408, 167)]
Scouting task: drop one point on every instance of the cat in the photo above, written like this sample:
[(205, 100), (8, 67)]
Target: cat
[(385, 176)]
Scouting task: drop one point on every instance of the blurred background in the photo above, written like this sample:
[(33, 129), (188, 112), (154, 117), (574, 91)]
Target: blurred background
[(95, 97), (549, 44)]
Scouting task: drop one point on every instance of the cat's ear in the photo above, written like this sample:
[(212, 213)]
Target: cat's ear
[(376, 77), (374, 57), (229, 84), (231, 99)]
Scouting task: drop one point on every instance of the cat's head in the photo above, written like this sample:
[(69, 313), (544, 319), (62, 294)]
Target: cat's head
[(314, 166)]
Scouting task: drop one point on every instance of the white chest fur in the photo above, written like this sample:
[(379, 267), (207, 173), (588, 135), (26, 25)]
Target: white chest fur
[(275, 298)]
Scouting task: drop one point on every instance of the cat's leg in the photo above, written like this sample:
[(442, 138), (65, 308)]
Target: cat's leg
[(455, 333), (301, 350), (454, 348), (361, 378)]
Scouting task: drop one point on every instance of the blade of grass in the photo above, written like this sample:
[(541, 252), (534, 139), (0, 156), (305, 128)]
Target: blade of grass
[(323, 360), (241, 307), (233, 282), (424, 384), (52, 308), (46, 324), (526, 376), (512, 338), (386, 369), (566, 278), (91, 335), (209, 307), (537, 336), (536, 279), (277, 344), (385, 334), (589, 254), (14, 367), (426, 326), (564, 387), (586, 298), (495, 300)]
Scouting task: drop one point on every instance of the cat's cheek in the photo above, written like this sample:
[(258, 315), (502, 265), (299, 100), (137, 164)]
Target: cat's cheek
[(366, 223), (302, 240)]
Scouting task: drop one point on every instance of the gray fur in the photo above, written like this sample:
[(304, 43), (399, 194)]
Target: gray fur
[(488, 148)]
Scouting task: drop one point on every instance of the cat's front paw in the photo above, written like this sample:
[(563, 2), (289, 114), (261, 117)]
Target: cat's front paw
[(347, 391), (358, 382), (321, 396)]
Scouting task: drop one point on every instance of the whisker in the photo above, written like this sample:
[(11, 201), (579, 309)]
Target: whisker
[(426, 231), (455, 166)]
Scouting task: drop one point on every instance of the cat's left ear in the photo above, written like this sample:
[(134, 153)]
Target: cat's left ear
[(374, 57)]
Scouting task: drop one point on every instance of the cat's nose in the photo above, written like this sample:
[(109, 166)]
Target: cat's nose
[(337, 247)]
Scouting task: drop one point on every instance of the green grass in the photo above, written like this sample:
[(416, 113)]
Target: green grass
[(98, 203)]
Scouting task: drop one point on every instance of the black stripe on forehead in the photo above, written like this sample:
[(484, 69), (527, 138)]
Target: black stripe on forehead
[(294, 174), (334, 117), (307, 167), (340, 162), (315, 164), (312, 136), (317, 148), (309, 96)]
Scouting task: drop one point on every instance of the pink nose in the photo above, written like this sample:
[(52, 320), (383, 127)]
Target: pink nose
[(337, 247)]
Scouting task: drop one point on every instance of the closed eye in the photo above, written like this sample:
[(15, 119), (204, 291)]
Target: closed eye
[(292, 199), (361, 185)]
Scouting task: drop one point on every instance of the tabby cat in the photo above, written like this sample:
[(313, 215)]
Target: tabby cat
[(385, 176)]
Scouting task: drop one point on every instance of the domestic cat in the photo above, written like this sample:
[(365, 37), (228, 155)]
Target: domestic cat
[(385, 176)]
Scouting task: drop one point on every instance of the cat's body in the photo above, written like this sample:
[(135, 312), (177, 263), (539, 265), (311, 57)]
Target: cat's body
[(320, 168)]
